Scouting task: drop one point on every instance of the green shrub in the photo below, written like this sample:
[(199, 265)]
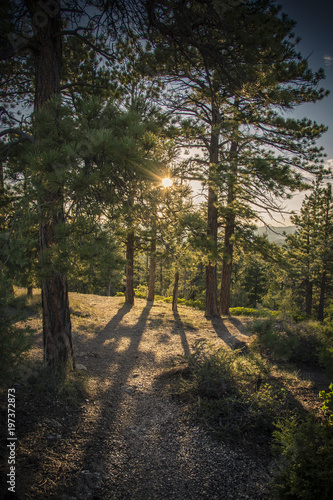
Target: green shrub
[(328, 403), (270, 341), (141, 291), (253, 313), (197, 304), (231, 393), (326, 351), (14, 341), (309, 343), (120, 294), (307, 451), (297, 343)]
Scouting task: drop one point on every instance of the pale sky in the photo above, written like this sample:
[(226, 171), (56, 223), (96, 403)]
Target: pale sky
[(314, 26)]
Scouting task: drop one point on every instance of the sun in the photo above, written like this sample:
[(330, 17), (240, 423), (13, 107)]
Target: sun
[(167, 182)]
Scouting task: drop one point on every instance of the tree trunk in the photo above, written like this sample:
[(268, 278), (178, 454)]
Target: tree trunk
[(30, 291), (308, 296), (108, 289), (129, 291), (211, 309), (58, 348), (230, 223), (151, 287), (227, 266), (175, 292), (322, 296)]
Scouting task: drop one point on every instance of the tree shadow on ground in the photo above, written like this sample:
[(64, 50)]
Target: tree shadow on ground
[(118, 357), (179, 329), (229, 337)]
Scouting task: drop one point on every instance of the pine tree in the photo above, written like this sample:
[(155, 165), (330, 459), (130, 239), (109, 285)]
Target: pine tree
[(232, 67), (310, 248)]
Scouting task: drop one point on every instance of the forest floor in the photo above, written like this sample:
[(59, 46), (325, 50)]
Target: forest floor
[(125, 436)]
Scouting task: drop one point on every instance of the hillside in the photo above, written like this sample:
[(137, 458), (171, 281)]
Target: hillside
[(276, 234), (118, 429)]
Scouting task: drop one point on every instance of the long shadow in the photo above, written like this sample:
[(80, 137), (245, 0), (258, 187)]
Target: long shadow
[(223, 333), (95, 450), (101, 450), (240, 327), (179, 329), (104, 334)]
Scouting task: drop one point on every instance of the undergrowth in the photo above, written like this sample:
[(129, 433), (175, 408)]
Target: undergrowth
[(233, 393), (15, 340), (68, 386), (307, 459), (307, 344), (236, 396)]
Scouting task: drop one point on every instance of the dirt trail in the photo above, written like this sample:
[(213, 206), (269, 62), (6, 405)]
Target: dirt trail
[(130, 440)]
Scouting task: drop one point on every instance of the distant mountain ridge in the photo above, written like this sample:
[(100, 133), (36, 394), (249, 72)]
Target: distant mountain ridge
[(275, 234)]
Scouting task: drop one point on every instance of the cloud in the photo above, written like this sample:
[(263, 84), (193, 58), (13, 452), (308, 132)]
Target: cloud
[(328, 60)]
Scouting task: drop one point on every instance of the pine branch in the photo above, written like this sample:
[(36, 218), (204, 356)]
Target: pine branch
[(17, 131)]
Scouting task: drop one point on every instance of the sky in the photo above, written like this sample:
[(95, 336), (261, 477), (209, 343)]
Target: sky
[(315, 28)]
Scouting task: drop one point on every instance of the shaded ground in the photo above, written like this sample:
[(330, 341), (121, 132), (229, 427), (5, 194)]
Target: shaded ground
[(128, 439)]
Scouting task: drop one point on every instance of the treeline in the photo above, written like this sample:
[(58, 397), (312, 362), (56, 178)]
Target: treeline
[(103, 103)]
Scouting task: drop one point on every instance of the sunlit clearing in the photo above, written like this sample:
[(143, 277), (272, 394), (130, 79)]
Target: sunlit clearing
[(167, 182)]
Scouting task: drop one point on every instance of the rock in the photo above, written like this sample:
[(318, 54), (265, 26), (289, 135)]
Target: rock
[(79, 366), (128, 389)]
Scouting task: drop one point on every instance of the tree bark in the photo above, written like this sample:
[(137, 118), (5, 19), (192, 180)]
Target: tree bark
[(30, 291), (129, 290), (175, 292), (211, 309), (58, 348), (227, 266), (152, 268), (230, 223)]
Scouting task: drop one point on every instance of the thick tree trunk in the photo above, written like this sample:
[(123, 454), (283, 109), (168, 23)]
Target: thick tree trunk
[(321, 305), (227, 266), (152, 268), (211, 309), (58, 348), (175, 292), (229, 225), (129, 291), (308, 296)]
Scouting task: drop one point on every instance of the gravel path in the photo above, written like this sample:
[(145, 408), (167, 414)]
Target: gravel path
[(130, 439), (146, 448)]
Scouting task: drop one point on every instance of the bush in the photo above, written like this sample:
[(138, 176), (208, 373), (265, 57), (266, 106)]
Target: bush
[(328, 403), (15, 341), (141, 291), (253, 313), (326, 352), (309, 343), (231, 394), (269, 341), (286, 341), (307, 450)]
